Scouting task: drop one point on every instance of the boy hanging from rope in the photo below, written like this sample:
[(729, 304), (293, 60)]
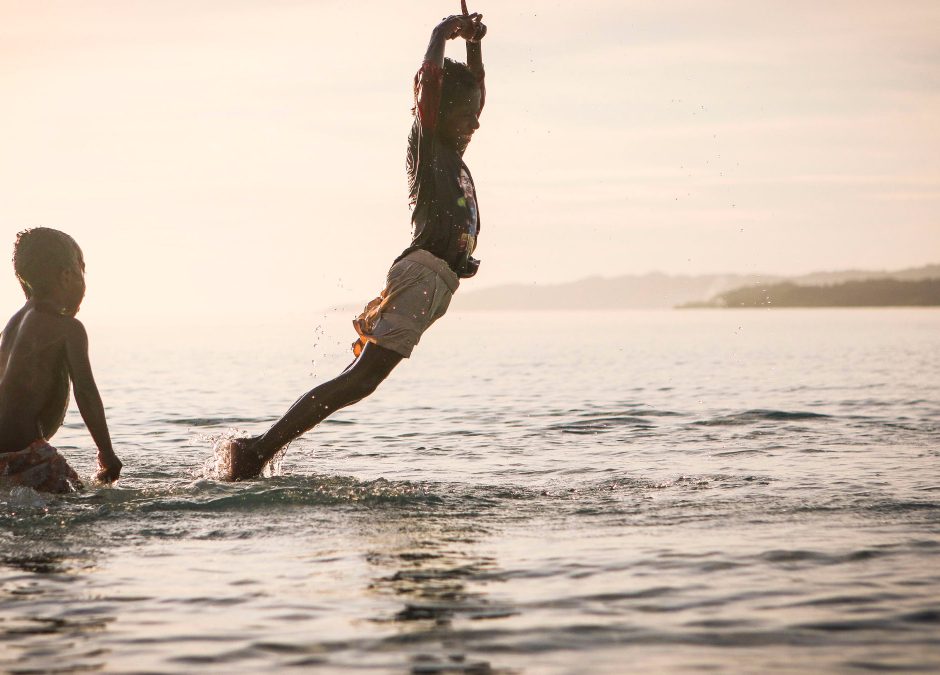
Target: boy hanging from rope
[(445, 223)]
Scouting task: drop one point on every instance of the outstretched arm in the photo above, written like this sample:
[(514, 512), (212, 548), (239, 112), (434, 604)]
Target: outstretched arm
[(458, 25), (475, 58), (428, 79), (474, 50), (89, 401)]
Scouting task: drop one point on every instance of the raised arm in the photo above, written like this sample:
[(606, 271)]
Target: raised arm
[(473, 37), (89, 401), (428, 79), (458, 25), (475, 55)]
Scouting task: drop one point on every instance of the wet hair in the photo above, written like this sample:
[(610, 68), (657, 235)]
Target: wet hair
[(459, 83), (39, 256)]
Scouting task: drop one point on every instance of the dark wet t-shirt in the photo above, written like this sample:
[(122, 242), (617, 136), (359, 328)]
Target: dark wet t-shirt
[(446, 216)]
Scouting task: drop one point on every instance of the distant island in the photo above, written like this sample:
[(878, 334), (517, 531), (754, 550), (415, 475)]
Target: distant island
[(867, 293), (662, 291)]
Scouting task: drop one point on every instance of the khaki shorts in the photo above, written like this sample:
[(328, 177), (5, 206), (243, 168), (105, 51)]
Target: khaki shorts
[(417, 293)]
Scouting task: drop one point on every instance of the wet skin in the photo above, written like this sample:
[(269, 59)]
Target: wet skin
[(43, 349), (247, 456), (34, 377)]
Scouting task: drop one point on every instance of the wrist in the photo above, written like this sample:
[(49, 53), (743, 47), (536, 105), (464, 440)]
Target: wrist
[(447, 29)]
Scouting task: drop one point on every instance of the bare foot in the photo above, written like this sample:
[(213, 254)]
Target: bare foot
[(244, 460)]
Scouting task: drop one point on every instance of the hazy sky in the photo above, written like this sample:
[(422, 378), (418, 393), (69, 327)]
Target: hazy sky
[(247, 156)]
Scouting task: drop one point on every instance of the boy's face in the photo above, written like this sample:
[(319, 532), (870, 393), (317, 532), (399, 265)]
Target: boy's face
[(72, 280), (461, 120)]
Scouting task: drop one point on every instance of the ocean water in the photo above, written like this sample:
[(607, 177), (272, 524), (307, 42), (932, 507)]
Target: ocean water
[(674, 491)]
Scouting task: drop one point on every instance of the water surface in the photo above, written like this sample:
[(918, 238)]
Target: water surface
[(751, 491)]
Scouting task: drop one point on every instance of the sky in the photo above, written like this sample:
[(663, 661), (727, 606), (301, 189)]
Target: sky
[(246, 157)]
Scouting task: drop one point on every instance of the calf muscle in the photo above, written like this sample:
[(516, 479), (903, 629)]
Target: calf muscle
[(352, 385)]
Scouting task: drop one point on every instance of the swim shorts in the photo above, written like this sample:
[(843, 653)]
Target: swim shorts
[(39, 466), (417, 293)]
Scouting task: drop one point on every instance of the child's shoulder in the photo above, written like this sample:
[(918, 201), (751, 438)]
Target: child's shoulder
[(39, 321)]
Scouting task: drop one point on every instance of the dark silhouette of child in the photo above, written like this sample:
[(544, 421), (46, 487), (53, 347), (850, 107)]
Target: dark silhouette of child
[(43, 348), (446, 221)]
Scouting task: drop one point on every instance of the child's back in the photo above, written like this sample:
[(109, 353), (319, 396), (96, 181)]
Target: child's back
[(34, 378)]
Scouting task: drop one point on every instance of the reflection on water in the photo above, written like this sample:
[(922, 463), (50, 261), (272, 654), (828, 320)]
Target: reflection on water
[(46, 621), (436, 568)]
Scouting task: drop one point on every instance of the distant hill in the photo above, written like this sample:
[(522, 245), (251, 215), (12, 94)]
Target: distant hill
[(865, 293), (911, 274), (644, 291), (655, 290)]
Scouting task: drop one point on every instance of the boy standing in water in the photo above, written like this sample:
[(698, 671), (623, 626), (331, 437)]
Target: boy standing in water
[(42, 347), (445, 219)]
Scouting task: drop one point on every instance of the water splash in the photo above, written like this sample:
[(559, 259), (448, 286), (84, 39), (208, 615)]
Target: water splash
[(218, 465), (22, 496), (273, 467)]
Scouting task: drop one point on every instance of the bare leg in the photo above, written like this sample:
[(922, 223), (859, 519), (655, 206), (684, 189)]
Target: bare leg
[(355, 383)]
